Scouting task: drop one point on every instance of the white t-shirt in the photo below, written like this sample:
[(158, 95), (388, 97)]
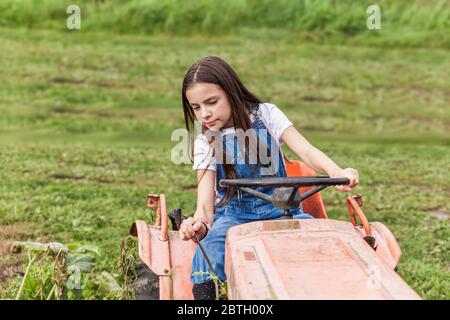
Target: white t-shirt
[(273, 118)]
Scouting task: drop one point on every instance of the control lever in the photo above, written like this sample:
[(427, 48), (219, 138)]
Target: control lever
[(176, 218)]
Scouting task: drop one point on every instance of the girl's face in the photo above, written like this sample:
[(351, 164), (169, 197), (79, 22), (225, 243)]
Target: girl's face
[(210, 105)]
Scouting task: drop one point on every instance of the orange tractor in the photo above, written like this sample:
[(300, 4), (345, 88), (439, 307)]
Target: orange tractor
[(289, 258)]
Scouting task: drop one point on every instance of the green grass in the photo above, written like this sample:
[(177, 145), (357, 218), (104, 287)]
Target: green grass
[(405, 23), (86, 119)]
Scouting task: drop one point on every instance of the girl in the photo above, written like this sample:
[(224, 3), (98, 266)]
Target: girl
[(213, 95)]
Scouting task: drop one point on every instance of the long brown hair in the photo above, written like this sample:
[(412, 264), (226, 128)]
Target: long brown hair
[(216, 71)]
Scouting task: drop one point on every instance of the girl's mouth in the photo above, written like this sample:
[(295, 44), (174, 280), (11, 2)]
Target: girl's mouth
[(211, 123)]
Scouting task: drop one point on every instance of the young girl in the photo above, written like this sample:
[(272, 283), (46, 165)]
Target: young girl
[(213, 95)]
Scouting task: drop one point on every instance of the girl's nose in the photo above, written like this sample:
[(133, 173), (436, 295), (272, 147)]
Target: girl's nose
[(205, 113)]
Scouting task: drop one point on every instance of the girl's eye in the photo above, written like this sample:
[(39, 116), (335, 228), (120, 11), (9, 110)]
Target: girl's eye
[(195, 108), (212, 102)]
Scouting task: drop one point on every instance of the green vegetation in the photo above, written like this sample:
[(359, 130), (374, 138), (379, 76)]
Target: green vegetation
[(404, 23), (86, 119), (56, 271)]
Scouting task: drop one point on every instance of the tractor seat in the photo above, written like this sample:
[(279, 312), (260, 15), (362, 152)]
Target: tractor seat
[(314, 204)]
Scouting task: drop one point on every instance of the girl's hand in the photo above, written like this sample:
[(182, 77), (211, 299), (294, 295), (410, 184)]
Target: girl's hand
[(349, 173), (190, 227)]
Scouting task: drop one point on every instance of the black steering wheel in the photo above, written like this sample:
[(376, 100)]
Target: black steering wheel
[(286, 195)]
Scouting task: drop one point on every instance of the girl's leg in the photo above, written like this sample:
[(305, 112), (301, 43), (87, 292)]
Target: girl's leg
[(303, 216), (214, 245)]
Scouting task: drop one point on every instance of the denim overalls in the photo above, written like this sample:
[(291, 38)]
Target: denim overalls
[(240, 209)]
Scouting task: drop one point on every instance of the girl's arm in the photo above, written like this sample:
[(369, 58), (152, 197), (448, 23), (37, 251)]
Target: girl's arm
[(205, 194), (205, 206), (316, 159)]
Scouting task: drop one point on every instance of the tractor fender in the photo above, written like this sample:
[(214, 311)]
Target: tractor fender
[(153, 251), (387, 247), (170, 260)]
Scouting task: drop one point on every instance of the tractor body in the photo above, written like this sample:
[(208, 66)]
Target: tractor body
[(317, 258)]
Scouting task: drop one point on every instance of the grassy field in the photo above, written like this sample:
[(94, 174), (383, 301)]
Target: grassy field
[(405, 23), (86, 119)]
